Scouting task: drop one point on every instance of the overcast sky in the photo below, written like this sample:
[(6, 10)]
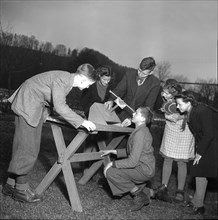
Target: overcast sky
[(183, 33)]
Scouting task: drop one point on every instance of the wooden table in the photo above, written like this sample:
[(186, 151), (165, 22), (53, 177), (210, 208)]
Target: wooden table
[(67, 154)]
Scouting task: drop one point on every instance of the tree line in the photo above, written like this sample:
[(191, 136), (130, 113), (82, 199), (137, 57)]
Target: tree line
[(22, 57)]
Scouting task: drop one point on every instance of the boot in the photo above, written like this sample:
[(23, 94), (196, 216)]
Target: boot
[(140, 200), (161, 193)]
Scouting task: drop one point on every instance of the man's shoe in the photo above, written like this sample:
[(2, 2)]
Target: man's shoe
[(27, 196), (140, 200), (8, 190), (197, 211), (161, 193)]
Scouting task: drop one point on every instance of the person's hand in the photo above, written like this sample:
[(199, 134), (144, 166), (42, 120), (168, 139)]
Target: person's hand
[(90, 126), (108, 105), (172, 117), (127, 122), (107, 166), (120, 103), (106, 152), (197, 158)]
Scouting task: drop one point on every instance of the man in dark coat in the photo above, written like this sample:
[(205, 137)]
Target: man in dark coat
[(137, 88)]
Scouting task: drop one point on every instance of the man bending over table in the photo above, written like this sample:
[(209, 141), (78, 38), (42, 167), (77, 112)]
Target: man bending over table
[(28, 103)]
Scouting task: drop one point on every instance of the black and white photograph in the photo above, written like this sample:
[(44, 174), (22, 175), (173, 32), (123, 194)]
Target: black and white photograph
[(108, 109)]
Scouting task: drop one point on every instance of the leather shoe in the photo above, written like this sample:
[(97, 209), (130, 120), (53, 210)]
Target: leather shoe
[(197, 211), (140, 200), (161, 193), (27, 196), (8, 190)]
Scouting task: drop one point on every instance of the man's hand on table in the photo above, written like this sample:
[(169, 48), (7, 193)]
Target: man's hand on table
[(120, 103), (90, 126), (108, 105), (106, 152)]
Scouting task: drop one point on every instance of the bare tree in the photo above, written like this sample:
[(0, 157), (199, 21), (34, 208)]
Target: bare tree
[(162, 70), (60, 50), (46, 47), (69, 52), (13, 60), (207, 89)]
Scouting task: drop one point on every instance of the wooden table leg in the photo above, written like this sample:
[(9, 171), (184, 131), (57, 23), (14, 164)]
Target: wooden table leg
[(49, 178), (71, 187), (64, 164), (95, 166)]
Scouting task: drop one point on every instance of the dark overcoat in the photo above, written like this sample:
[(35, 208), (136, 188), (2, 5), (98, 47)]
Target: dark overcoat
[(137, 96), (203, 122)]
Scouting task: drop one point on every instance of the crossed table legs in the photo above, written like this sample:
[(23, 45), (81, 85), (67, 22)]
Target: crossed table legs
[(67, 155)]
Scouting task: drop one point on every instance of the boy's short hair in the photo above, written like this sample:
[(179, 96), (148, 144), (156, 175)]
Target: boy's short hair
[(87, 70), (147, 63), (147, 113)]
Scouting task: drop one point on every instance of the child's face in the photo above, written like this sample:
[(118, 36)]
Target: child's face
[(166, 95), (137, 116)]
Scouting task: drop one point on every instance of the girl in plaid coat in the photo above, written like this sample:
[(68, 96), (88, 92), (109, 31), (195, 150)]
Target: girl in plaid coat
[(177, 143)]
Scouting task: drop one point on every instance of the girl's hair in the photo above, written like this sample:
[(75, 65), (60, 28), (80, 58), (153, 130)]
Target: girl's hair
[(104, 71), (147, 113), (187, 96), (88, 71), (172, 86)]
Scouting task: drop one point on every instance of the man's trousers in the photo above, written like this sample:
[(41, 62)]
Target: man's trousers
[(26, 146), (124, 180)]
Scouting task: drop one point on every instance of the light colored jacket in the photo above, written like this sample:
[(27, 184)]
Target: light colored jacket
[(51, 88)]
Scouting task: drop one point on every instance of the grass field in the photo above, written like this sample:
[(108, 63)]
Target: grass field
[(97, 203)]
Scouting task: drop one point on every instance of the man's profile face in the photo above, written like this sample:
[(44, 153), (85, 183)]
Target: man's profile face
[(85, 83), (143, 73)]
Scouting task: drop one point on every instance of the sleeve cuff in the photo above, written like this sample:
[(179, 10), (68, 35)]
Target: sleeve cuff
[(113, 164)]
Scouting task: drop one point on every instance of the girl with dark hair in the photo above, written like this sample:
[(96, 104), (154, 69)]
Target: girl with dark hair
[(99, 91), (203, 122), (177, 143)]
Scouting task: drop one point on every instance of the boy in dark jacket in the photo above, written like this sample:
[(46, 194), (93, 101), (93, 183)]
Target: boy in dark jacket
[(138, 163)]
